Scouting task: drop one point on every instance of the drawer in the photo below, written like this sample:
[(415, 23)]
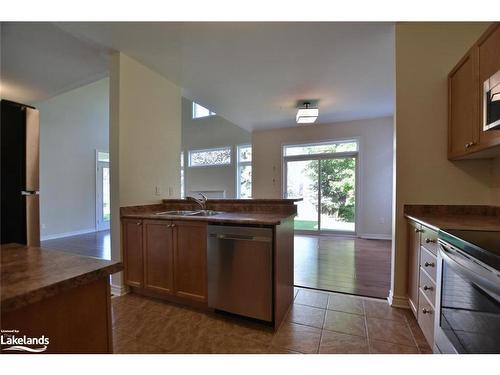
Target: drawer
[(426, 318), (428, 262), (427, 287), (429, 240)]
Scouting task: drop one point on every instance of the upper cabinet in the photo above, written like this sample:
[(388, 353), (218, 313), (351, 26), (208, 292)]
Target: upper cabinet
[(466, 138)]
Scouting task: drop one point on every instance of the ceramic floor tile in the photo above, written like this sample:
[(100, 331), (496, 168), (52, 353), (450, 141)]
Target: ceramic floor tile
[(392, 331), (349, 304), (311, 298), (382, 309), (307, 315), (340, 343), (342, 322), (383, 347), (298, 338)]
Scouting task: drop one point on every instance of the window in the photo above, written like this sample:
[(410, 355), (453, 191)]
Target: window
[(199, 111), (210, 157), (182, 175), (321, 148), (244, 172)]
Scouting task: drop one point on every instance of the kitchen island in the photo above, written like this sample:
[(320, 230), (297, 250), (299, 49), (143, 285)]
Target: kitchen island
[(165, 248), (62, 297)]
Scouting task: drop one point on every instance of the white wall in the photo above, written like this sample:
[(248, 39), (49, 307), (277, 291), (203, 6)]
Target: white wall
[(145, 140), (375, 165), (72, 126), (210, 132)]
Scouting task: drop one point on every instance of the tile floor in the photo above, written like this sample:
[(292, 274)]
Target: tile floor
[(317, 322)]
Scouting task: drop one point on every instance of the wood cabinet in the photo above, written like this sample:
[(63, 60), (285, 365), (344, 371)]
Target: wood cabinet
[(158, 255), (166, 258), (133, 252), (414, 230), (489, 63), (190, 260), (422, 262), (466, 138)]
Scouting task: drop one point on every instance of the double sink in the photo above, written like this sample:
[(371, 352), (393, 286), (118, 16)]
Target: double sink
[(189, 213)]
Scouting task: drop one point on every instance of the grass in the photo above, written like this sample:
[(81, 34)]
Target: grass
[(305, 225)]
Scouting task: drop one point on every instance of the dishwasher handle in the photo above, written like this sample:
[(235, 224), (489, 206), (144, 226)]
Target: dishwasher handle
[(239, 237)]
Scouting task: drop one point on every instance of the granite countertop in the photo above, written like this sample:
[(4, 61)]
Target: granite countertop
[(459, 222), (225, 217), (31, 274), (441, 217)]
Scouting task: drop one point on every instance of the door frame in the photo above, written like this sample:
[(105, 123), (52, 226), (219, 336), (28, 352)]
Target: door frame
[(319, 157), (99, 203)]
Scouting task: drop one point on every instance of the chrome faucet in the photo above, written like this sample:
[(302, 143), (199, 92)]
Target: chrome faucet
[(202, 202)]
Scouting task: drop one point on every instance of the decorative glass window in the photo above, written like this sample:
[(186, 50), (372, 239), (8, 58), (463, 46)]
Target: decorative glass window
[(321, 148), (199, 111), (244, 172), (210, 157), (182, 175)]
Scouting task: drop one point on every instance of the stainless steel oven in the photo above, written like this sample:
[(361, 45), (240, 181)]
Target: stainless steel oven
[(491, 103), (467, 316)]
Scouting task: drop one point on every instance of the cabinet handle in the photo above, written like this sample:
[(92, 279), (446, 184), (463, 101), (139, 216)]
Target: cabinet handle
[(429, 240), (418, 230), (138, 223), (426, 311), (173, 225), (429, 264), (469, 145), (428, 287)]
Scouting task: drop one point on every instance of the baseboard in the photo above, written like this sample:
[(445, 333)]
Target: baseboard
[(67, 234), (398, 301), (369, 236), (119, 290)]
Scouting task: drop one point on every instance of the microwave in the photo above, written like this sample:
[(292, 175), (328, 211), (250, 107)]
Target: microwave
[(491, 105)]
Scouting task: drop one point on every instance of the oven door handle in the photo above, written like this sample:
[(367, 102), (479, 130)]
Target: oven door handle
[(482, 276)]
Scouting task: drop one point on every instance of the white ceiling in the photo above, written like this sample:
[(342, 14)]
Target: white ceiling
[(39, 60), (253, 73), (250, 73)]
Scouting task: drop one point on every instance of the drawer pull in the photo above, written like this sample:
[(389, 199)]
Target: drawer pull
[(429, 264), (426, 311), (429, 240), (428, 287), (138, 223)]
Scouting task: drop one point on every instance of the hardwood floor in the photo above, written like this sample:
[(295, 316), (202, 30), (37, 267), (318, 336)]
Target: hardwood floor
[(343, 264), (96, 244)]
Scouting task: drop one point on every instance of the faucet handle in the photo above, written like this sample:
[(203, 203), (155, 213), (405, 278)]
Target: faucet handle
[(203, 196)]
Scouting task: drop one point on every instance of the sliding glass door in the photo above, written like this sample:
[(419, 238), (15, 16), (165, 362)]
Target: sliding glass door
[(324, 176)]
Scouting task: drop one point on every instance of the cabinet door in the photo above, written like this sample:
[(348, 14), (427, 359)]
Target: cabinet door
[(158, 256), (413, 264), (132, 252), (489, 64), (190, 260), (462, 107)]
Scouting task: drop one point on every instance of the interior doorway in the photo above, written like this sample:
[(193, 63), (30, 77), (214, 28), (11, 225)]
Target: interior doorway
[(103, 198)]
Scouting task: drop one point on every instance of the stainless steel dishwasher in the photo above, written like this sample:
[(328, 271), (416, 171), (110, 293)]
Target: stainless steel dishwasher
[(240, 270)]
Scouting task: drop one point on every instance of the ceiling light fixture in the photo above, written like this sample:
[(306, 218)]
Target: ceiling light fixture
[(306, 115)]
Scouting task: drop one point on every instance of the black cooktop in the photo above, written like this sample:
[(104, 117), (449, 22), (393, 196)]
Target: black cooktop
[(482, 245)]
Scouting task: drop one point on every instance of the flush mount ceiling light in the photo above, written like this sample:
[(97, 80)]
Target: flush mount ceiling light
[(306, 114)]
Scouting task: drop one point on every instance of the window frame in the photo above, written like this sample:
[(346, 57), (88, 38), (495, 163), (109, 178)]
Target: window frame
[(241, 164), (230, 148), (193, 111), (322, 143)]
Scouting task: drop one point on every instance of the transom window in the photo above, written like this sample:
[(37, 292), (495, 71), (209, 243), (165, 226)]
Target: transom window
[(210, 157), (199, 111), (321, 148)]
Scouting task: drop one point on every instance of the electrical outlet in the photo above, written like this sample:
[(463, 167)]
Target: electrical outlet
[(44, 226), (157, 190), (381, 220), (170, 191)]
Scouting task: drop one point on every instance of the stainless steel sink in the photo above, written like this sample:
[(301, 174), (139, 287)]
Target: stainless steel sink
[(176, 213), (188, 213)]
